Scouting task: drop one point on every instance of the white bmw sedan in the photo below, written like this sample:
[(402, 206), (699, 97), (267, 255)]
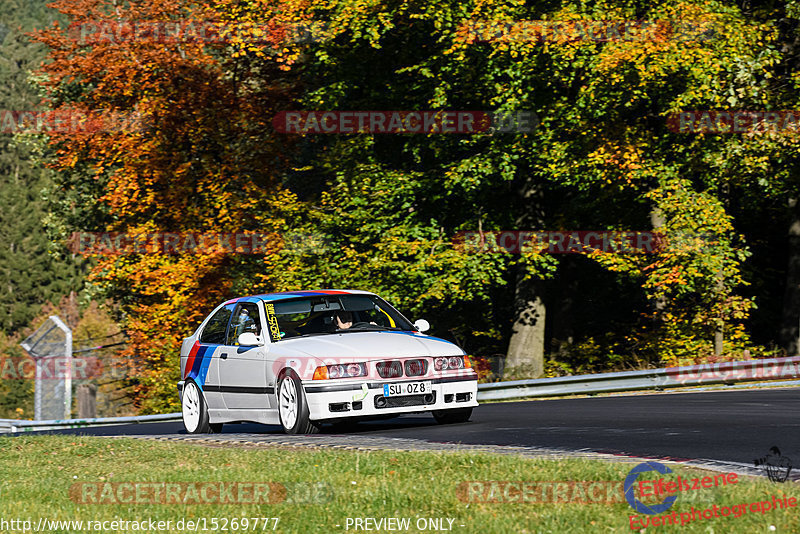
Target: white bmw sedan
[(303, 358)]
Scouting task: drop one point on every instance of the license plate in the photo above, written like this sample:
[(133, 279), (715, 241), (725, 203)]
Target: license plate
[(407, 388)]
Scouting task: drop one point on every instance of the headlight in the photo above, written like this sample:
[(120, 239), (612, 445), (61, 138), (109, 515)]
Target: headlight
[(356, 369), (451, 363), (342, 370)]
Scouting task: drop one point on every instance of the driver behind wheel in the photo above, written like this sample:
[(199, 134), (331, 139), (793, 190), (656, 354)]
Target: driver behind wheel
[(343, 319)]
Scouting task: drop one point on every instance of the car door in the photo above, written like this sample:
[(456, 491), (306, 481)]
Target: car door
[(243, 369), (202, 364)]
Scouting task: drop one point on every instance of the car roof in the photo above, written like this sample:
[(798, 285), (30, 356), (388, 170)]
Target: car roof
[(270, 297)]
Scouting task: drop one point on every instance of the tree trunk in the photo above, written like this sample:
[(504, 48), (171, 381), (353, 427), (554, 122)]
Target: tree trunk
[(790, 321), (526, 346), (525, 356)]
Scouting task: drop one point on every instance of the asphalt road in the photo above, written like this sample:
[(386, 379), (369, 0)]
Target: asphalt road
[(735, 426)]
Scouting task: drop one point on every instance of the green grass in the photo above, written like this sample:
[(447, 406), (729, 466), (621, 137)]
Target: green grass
[(326, 486)]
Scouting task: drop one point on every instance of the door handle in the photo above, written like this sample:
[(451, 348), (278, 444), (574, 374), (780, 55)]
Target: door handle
[(223, 356)]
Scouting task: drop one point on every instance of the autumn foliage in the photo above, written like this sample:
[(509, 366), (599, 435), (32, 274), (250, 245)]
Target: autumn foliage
[(194, 156), (198, 153)]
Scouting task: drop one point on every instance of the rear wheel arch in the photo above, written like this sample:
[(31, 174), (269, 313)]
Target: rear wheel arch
[(194, 410)]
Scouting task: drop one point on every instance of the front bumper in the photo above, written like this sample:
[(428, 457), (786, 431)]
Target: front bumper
[(335, 399)]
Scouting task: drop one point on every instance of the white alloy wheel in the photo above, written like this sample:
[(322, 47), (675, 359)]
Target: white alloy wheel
[(287, 403), (293, 407), (190, 406)]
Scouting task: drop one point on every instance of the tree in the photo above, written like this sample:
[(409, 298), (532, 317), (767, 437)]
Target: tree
[(31, 271), (199, 159), (381, 211)]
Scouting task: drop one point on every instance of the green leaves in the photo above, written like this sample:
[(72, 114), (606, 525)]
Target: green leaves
[(381, 211)]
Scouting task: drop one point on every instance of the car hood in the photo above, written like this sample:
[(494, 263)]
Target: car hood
[(367, 346)]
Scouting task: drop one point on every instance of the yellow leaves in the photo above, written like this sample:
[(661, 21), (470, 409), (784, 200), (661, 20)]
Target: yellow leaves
[(620, 163)]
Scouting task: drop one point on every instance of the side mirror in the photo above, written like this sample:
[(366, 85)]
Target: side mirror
[(249, 339), (422, 325)]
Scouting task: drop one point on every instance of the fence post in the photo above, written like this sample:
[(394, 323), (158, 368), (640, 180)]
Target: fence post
[(53, 393), (67, 363)]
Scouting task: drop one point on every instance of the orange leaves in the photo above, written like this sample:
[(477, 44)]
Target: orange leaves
[(198, 158)]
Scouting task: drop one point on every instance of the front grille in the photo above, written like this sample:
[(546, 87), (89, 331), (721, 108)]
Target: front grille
[(391, 369), (416, 367), (406, 400)]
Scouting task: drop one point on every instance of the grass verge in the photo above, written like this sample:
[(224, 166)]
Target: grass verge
[(48, 476)]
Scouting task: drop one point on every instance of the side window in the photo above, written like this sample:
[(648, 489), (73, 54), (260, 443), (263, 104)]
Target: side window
[(214, 332), (245, 319)]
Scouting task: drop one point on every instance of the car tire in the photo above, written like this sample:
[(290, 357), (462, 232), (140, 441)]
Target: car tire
[(292, 406), (455, 415), (194, 410)]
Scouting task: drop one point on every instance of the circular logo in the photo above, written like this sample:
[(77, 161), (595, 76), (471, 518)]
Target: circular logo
[(638, 505)]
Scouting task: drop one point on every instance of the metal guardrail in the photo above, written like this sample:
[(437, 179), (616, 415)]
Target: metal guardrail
[(15, 425), (670, 377)]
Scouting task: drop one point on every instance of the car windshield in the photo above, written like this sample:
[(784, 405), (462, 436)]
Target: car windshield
[(332, 314)]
